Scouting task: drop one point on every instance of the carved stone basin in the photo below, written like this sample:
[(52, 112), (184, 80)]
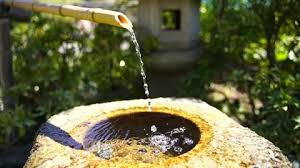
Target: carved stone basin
[(177, 133)]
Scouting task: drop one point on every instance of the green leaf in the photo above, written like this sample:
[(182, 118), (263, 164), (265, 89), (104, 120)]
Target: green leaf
[(297, 120)]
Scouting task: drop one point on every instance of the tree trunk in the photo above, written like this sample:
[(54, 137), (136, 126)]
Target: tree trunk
[(270, 48), (6, 67)]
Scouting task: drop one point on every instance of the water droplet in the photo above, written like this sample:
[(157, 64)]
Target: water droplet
[(178, 130), (153, 128), (188, 141), (175, 140), (182, 129), (147, 93), (177, 149)]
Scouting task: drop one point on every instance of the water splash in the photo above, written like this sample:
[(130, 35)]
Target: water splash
[(103, 150), (155, 144), (143, 74), (162, 142), (188, 141)]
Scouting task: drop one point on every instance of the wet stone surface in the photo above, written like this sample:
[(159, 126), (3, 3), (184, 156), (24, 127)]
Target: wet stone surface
[(66, 140)]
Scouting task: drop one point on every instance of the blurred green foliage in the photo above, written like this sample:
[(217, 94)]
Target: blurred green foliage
[(58, 66), (253, 46), (15, 124)]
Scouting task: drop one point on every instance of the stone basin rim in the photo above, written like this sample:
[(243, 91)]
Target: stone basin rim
[(201, 124), (227, 144)]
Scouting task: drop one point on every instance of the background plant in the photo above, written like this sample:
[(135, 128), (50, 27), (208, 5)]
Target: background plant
[(58, 65), (250, 67)]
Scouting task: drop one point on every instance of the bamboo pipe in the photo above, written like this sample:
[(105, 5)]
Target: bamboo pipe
[(92, 14)]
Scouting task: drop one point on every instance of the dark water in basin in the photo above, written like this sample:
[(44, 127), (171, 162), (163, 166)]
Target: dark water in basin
[(149, 131)]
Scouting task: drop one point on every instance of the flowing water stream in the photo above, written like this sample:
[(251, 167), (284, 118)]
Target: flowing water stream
[(138, 52)]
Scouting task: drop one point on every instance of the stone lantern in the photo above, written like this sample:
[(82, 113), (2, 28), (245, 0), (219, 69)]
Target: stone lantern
[(175, 26)]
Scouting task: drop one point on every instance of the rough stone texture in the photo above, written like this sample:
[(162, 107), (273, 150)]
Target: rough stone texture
[(177, 50), (173, 61), (223, 143), (150, 19)]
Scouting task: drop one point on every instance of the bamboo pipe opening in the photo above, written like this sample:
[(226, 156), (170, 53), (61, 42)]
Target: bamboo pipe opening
[(124, 21)]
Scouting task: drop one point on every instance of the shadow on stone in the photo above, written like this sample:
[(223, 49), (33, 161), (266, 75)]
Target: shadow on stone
[(59, 135)]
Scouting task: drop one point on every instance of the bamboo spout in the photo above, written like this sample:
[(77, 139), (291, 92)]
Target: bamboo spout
[(92, 14)]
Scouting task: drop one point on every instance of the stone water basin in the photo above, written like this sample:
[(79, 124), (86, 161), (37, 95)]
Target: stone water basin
[(177, 133)]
